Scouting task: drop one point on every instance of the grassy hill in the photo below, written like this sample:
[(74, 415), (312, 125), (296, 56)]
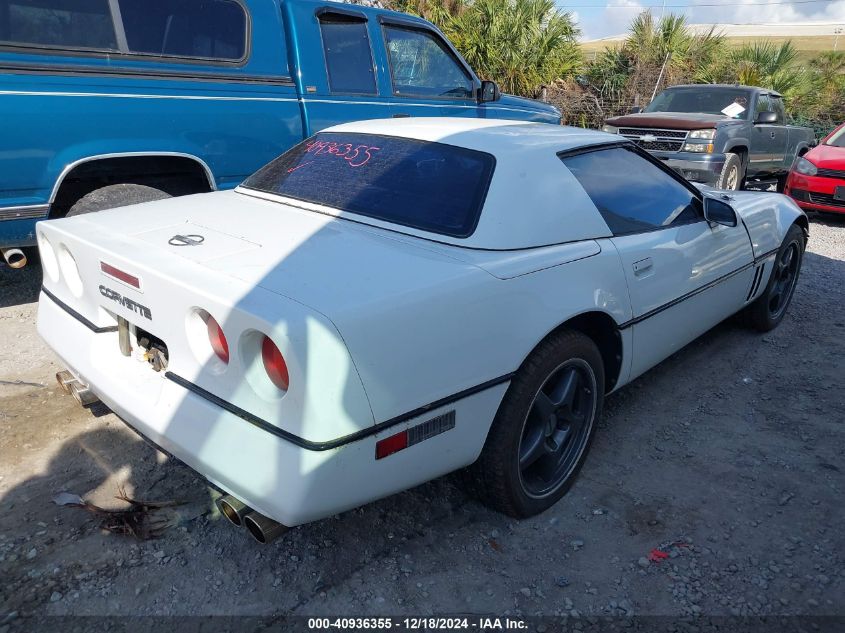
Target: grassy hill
[(808, 45)]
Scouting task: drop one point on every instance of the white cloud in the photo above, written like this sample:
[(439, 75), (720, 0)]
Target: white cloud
[(614, 20), (754, 11)]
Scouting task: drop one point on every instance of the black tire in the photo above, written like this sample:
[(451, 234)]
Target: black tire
[(114, 196), (768, 310), (732, 177), (497, 477)]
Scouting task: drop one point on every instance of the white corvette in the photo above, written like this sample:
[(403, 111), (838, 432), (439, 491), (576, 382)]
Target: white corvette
[(393, 300)]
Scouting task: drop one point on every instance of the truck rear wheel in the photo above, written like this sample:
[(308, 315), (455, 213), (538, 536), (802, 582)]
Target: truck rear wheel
[(733, 173), (114, 196)]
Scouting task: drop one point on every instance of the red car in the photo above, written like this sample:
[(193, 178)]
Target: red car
[(817, 179)]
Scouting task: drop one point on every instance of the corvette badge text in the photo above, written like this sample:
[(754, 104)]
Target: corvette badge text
[(126, 302)]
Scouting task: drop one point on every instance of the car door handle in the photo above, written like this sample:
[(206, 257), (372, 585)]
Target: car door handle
[(401, 115), (642, 266)]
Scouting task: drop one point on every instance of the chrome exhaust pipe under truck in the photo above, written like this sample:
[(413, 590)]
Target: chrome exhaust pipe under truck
[(14, 257)]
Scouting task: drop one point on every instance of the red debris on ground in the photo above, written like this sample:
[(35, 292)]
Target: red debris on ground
[(657, 555)]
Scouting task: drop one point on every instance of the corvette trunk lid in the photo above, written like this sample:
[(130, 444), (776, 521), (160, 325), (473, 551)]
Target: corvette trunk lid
[(325, 263)]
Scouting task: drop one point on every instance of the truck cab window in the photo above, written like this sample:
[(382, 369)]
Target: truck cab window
[(777, 107), (762, 105), (83, 24), (205, 29), (422, 65), (349, 58)]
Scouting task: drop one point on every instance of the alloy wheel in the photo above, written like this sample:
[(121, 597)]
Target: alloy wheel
[(785, 274), (557, 428)]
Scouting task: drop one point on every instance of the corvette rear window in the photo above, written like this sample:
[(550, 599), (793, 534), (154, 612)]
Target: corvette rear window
[(429, 186)]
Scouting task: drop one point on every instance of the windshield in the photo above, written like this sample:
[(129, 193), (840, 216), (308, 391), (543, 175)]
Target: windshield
[(423, 185), (837, 139), (705, 100)]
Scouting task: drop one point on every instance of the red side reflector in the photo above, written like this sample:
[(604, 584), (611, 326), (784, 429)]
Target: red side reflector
[(118, 274), (392, 444)]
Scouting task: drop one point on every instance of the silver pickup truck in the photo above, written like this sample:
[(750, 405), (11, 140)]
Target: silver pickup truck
[(720, 135)]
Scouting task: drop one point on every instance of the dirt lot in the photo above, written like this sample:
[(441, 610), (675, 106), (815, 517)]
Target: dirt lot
[(728, 457)]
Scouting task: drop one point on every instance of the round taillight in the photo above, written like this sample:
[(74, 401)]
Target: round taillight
[(274, 364), (217, 339), (70, 271)]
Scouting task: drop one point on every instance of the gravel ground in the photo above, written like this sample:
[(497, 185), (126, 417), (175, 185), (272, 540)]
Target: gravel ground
[(727, 457)]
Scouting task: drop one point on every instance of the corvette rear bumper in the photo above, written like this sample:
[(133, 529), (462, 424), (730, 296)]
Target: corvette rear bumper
[(280, 479)]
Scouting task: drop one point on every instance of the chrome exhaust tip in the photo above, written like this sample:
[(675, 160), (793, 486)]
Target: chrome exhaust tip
[(65, 380), (233, 509), (14, 257), (82, 394), (262, 528)]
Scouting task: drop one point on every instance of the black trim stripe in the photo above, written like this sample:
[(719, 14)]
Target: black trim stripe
[(346, 439), (697, 291), (68, 70), (91, 326)]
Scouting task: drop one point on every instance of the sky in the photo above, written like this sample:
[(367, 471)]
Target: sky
[(598, 18)]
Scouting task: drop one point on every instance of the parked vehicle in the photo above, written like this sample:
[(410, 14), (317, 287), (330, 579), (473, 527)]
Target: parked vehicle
[(718, 135), (112, 102), (817, 179), (388, 308)]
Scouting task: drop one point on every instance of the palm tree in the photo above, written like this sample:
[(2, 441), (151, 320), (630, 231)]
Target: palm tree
[(669, 41), (609, 72), (439, 12), (768, 65), (521, 44)]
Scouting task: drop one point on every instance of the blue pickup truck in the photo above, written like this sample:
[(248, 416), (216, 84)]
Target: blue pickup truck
[(109, 102)]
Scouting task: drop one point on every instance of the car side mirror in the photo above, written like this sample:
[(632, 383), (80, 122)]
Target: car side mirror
[(767, 117), (719, 212), (635, 110), (489, 92)]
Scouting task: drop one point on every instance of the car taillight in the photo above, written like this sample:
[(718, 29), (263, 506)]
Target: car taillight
[(217, 339), (274, 364)]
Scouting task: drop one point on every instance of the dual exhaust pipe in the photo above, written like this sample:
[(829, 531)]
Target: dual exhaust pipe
[(71, 385), (14, 257), (263, 529)]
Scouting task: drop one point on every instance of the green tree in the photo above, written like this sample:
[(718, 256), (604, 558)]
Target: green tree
[(669, 41), (768, 65), (657, 53)]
